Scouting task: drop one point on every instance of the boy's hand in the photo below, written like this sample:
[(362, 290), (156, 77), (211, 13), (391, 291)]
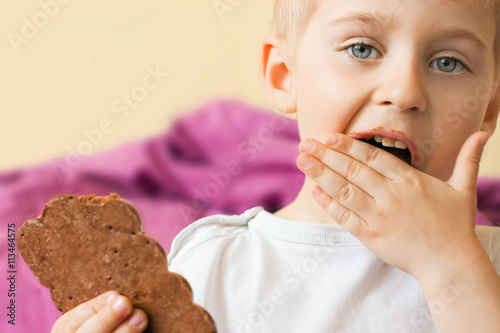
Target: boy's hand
[(407, 218), (109, 312)]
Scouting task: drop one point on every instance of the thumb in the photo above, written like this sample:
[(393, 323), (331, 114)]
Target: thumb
[(464, 177)]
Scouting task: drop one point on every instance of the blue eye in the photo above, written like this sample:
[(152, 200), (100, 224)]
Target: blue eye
[(448, 65), (363, 51)]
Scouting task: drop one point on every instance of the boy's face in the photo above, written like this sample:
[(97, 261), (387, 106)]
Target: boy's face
[(421, 67)]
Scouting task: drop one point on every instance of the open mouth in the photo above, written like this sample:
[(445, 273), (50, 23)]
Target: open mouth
[(402, 153), (393, 142)]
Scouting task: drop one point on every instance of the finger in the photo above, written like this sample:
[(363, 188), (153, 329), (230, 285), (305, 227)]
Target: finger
[(384, 163), (137, 322), (464, 177), (336, 186), (364, 177), (73, 319), (109, 317), (343, 216)]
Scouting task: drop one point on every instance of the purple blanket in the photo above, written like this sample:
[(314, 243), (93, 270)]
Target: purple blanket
[(223, 158)]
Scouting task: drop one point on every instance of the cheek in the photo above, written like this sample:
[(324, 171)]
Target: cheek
[(439, 151), (326, 101), (458, 107), (441, 162)]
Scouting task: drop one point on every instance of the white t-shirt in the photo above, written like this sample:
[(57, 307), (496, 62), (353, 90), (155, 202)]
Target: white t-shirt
[(256, 272)]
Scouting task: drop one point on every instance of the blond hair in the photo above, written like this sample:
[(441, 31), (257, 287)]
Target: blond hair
[(291, 17)]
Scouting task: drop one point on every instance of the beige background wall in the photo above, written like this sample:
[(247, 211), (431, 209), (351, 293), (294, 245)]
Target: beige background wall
[(65, 73)]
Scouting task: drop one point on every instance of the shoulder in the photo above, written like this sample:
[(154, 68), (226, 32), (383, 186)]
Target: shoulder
[(208, 229), (490, 239)]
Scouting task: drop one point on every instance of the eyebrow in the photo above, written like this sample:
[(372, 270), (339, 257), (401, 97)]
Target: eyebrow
[(378, 20), (372, 20), (458, 33)]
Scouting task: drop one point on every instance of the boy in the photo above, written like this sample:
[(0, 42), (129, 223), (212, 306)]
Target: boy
[(376, 241)]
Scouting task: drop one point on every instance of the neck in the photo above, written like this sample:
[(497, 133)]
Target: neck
[(305, 207)]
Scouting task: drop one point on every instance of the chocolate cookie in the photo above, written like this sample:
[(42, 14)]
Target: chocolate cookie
[(83, 246)]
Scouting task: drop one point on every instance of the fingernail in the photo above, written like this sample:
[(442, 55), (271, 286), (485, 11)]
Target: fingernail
[(332, 140), (136, 320), (317, 191), (120, 307), (484, 141), (306, 146), (304, 161)]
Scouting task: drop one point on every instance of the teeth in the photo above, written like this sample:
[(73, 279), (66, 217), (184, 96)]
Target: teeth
[(368, 138), (388, 142), (400, 145)]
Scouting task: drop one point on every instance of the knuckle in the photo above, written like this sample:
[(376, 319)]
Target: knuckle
[(372, 233), (316, 169), (373, 155), (345, 192), (474, 159), (73, 319), (353, 170), (344, 216), (393, 196), (82, 313), (415, 183)]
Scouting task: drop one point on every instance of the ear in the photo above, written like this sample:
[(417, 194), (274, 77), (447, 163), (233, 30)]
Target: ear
[(491, 116), (277, 77)]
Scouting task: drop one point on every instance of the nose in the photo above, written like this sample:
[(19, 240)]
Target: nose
[(402, 85)]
